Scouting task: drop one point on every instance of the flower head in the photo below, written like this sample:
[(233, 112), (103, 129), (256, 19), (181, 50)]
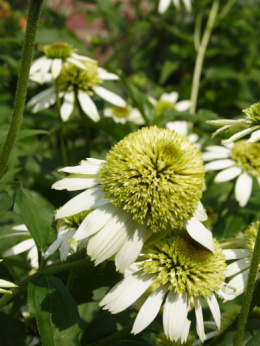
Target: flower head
[(176, 270), (164, 4), (169, 101), (124, 114), (240, 160)]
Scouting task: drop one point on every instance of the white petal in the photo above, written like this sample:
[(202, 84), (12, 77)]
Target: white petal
[(105, 75), (149, 309), (171, 97), (44, 69), (82, 57), (182, 105), (83, 201), (237, 266), (56, 68), (36, 77), (42, 96), (20, 228), (33, 257), (127, 291), (214, 308), (67, 105), (255, 137), (176, 3), (238, 135), (87, 167), (163, 5), (19, 248), (219, 164), (75, 182), (199, 318), (65, 245), (76, 63), (236, 286), (88, 106), (178, 126), (175, 314), (109, 96), (200, 213), (37, 64), (4, 283), (231, 254), (187, 4), (132, 247), (227, 174), (200, 233), (243, 189)]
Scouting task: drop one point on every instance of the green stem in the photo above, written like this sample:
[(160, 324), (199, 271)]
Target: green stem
[(201, 54), (248, 292), (85, 126), (114, 338), (226, 9), (21, 90)]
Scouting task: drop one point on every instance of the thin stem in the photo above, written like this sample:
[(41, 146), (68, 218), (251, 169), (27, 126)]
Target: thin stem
[(85, 126), (201, 54), (226, 9), (197, 31), (248, 293), (21, 90), (114, 338)]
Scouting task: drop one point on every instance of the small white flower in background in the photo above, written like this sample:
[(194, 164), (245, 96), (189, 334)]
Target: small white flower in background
[(123, 114), (169, 101), (174, 271), (55, 55), (240, 250), (76, 82), (251, 122), (240, 160), (183, 128), (150, 182), (5, 284), (24, 246), (164, 5)]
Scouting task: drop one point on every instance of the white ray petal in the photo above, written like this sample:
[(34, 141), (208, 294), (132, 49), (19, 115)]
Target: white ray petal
[(19, 248), (171, 97), (37, 64), (4, 283), (182, 106), (200, 233), (227, 174), (86, 167), (199, 318), (44, 69), (187, 4), (163, 5), (127, 291), (65, 245), (33, 257), (105, 75), (67, 105), (76, 63), (35, 77), (219, 164), (43, 95), (255, 137), (231, 254), (56, 68), (149, 309), (109, 96), (238, 135), (214, 308), (82, 57), (236, 286), (243, 189), (238, 266), (88, 106), (178, 126), (75, 182), (20, 228), (200, 213), (83, 201)]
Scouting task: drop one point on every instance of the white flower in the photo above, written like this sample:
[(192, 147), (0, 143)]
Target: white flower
[(125, 211), (5, 284), (123, 114), (24, 246), (164, 4), (167, 101), (73, 81), (174, 271), (183, 128), (240, 161)]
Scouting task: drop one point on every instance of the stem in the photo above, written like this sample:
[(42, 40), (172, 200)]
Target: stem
[(226, 9), (112, 339), (85, 126), (21, 90), (200, 56), (248, 293)]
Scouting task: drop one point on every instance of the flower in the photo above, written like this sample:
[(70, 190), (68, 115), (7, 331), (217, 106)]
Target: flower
[(164, 4), (241, 250), (82, 83), (251, 122), (55, 55), (168, 101), (239, 160), (183, 128), (151, 181), (176, 270), (124, 114), (23, 246), (5, 284)]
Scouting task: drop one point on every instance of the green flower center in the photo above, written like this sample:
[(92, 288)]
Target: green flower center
[(73, 78), (58, 51), (250, 235), (185, 265), (75, 220), (162, 105), (253, 113), (121, 112), (155, 174), (247, 157)]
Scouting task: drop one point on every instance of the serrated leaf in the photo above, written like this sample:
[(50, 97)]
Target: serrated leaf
[(55, 311), (38, 216), (5, 201)]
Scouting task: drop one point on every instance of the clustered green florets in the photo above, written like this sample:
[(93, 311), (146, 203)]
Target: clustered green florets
[(253, 113), (73, 78), (162, 105), (185, 265), (121, 112), (250, 234), (155, 174), (247, 157), (58, 51), (75, 220)]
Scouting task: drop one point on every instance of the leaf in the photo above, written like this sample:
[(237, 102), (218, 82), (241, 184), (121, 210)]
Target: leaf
[(23, 134), (38, 216), (255, 340), (5, 201), (111, 14), (168, 68), (55, 311), (12, 331)]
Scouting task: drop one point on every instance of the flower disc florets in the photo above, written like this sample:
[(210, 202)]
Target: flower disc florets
[(74, 78), (161, 105), (74, 221), (247, 157), (121, 112), (155, 174), (253, 113), (250, 235), (58, 51), (185, 265)]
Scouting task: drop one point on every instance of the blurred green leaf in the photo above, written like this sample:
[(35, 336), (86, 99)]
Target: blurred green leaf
[(168, 68), (12, 331), (5, 201), (111, 14)]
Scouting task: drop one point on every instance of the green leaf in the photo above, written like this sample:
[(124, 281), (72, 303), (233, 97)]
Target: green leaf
[(38, 216), (255, 340), (110, 12), (168, 68), (55, 311), (23, 134), (5, 201), (12, 331)]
